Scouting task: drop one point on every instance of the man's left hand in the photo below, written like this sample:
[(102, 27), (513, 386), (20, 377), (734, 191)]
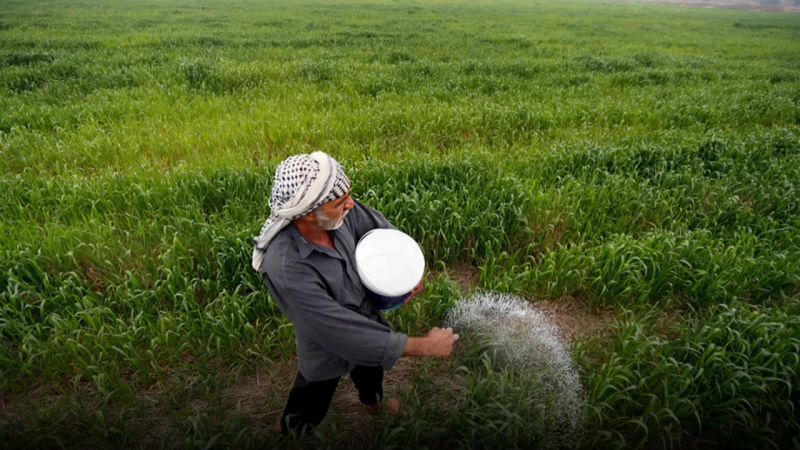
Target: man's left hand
[(415, 291)]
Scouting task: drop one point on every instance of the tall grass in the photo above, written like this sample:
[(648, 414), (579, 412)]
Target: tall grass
[(171, 84), (725, 381), (629, 156)]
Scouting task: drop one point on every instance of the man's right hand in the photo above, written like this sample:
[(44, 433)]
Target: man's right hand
[(441, 341), (438, 343)]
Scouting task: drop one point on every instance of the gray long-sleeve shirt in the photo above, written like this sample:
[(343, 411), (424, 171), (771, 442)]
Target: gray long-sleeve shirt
[(318, 288)]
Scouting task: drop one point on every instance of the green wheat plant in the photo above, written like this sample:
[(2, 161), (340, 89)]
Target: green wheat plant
[(639, 160)]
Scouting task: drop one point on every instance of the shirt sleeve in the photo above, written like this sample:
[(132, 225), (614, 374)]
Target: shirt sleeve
[(342, 331), (366, 219)]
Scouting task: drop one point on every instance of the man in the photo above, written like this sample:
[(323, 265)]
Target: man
[(306, 253)]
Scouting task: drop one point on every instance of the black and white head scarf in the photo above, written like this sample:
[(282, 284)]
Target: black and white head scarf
[(302, 183)]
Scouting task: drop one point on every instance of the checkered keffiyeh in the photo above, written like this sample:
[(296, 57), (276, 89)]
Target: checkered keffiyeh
[(302, 183)]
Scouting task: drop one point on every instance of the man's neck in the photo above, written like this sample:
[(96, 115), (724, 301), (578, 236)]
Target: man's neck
[(314, 234)]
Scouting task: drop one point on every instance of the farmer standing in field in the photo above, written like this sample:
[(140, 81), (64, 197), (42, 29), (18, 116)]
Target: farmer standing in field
[(306, 253)]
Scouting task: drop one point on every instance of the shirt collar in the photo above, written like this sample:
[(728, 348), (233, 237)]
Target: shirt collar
[(304, 247)]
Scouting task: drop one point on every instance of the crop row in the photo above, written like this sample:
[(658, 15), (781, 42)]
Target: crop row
[(141, 260)]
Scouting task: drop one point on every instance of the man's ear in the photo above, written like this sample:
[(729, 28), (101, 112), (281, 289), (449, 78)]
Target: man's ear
[(309, 217)]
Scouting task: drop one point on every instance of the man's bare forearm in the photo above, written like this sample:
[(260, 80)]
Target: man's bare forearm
[(416, 346), (438, 343)]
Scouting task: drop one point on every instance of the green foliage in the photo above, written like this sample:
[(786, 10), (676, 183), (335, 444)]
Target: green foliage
[(624, 155), (728, 380), (500, 410), (495, 409)]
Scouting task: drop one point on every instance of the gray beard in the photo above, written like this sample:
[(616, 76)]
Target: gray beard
[(327, 224)]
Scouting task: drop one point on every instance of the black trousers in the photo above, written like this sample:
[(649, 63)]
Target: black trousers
[(309, 400)]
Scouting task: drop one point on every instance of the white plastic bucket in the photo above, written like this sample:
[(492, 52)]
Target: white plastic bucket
[(390, 264)]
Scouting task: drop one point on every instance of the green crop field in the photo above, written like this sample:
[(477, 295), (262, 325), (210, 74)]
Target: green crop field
[(634, 167)]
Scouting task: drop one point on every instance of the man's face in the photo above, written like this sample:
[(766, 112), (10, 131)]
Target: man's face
[(333, 212)]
